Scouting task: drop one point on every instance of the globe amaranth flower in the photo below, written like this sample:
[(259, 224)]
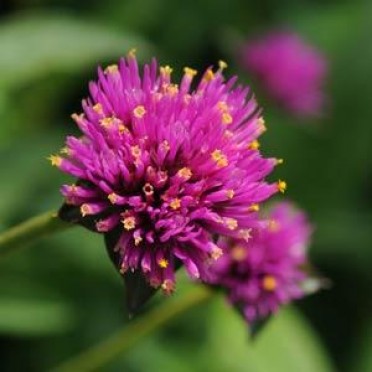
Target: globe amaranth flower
[(167, 167), (291, 71), (268, 270)]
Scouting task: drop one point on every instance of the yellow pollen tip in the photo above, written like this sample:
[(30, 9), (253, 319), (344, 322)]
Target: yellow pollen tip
[(137, 240), (136, 151), (219, 158), (111, 69), (190, 71), (254, 208), (282, 186), (175, 203), (129, 223), (245, 234), (279, 161), (98, 108), (139, 112), (65, 150), (209, 75), (254, 145), (106, 122), (123, 129), (226, 118), (273, 226), (261, 124), (216, 253), (172, 89), (132, 53), (185, 173), (239, 253), (269, 283), (166, 70), (55, 160), (163, 263), (85, 210), (230, 193), (112, 198), (231, 223), (222, 64)]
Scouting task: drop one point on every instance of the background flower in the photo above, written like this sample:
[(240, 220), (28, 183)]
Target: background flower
[(289, 69), (269, 269)]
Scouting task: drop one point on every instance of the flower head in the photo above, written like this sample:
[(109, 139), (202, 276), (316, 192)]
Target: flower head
[(266, 271), (166, 167), (290, 70)]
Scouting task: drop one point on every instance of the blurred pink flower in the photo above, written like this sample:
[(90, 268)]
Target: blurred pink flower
[(267, 270), (291, 71)]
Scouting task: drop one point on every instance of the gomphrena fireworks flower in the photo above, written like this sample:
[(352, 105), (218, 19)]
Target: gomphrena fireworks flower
[(167, 168), (290, 70), (270, 269)]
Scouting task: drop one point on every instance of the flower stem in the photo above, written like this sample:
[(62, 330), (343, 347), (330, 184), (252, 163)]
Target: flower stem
[(29, 231), (102, 353)]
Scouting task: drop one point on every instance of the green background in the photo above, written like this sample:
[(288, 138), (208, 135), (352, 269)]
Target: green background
[(61, 295)]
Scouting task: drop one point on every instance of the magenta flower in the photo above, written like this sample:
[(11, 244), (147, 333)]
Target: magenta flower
[(163, 169), (289, 69), (268, 270)]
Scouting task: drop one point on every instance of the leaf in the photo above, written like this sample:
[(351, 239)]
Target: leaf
[(286, 344), (31, 317), (138, 291), (36, 44)]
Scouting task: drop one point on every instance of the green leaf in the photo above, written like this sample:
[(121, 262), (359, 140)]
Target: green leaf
[(286, 344), (31, 318), (37, 44)]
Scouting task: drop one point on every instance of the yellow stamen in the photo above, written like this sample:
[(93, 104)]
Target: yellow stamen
[(219, 158), (172, 89), (85, 210), (245, 234), (222, 64), (98, 108), (111, 69), (209, 75), (230, 193), (166, 70), (139, 112), (273, 226), (231, 223), (112, 197), (185, 173), (122, 129), (216, 253), (261, 124), (137, 240), (136, 151), (226, 118), (163, 263), (190, 71), (279, 161), (175, 203), (254, 208), (106, 122), (65, 150), (56, 160), (222, 105), (269, 283), (239, 253), (282, 186), (132, 53), (129, 223), (254, 145)]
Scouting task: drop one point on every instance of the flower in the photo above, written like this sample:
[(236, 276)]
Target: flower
[(166, 167), (289, 69), (268, 270)]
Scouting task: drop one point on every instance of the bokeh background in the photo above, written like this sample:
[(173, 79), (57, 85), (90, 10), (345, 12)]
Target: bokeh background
[(61, 295)]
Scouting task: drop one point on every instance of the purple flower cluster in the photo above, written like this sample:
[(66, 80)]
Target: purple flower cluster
[(268, 270), (290, 70), (168, 167)]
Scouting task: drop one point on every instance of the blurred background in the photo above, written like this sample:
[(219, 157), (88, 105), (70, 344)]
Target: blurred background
[(61, 295)]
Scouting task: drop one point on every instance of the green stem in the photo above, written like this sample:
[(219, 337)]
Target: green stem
[(29, 231), (100, 354)]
